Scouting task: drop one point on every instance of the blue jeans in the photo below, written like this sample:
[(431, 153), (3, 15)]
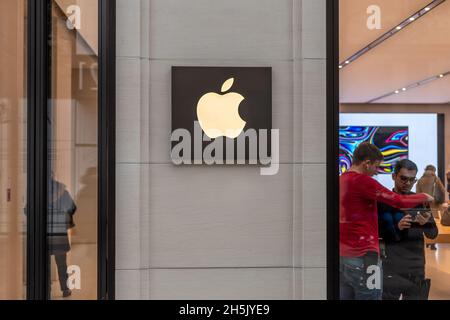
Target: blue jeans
[(358, 281)]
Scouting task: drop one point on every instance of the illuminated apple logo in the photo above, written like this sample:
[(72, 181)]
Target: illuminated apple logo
[(218, 115)]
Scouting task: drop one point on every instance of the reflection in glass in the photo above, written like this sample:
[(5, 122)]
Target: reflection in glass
[(73, 148), (12, 149), (61, 210)]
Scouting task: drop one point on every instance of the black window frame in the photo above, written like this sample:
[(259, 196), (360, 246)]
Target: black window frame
[(38, 96), (332, 112)]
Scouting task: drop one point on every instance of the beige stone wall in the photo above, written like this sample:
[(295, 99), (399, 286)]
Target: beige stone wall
[(180, 234)]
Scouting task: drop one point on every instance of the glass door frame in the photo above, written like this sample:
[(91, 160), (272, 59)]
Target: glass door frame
[(332, 115), (38, 95)]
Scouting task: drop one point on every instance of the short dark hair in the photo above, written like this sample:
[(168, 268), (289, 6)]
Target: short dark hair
[(431, 168), (367, 151), (405, 164)]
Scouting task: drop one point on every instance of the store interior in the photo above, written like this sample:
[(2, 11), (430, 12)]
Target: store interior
[(73, 128), (73, 142), (395, 80)]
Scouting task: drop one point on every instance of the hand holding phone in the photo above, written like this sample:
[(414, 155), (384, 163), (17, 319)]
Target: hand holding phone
[(420, 216), (423, 218), (405, 223)]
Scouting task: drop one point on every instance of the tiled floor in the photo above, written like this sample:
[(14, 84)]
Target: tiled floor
[(84, 256), (438, 270), (12, 269)]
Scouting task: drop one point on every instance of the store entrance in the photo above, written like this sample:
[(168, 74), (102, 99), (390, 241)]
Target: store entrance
[(57, 110), (394, 95)]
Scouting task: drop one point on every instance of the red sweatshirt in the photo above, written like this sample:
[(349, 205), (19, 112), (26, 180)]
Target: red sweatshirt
[(359, 195)]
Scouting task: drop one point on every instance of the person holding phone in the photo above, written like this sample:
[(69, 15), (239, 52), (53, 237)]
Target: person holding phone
[(402, 233), (359, 240)]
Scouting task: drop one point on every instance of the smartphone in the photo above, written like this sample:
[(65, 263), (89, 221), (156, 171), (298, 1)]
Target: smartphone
[(414, 213)]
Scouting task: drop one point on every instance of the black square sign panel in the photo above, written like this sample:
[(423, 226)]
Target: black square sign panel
[(221, 115)]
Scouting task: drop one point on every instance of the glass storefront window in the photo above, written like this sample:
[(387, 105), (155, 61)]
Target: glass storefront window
[(13, 157), (73, 151), (394, 112)]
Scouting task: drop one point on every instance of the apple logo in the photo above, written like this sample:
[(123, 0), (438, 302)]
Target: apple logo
[(218, 115)]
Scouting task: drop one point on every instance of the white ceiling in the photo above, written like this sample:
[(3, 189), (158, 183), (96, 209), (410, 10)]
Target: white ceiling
[(417, 52), (89, 20)]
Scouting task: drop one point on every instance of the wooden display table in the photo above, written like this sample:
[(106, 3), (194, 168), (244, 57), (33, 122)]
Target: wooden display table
[(444, 234)]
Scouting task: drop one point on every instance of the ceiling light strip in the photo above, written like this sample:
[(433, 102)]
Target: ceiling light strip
[(411, 86), (411, 19)]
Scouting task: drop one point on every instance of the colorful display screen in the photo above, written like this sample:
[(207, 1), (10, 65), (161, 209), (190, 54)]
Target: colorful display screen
[(392, 141)]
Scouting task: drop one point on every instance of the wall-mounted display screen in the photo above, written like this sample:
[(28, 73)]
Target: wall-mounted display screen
[(398, 135), (392, 141)]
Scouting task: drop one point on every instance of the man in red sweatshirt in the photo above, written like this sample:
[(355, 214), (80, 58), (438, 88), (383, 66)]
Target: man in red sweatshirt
[(360, 265)]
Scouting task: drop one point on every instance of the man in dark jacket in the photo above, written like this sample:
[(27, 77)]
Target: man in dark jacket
[(402, 236), (61, 209)]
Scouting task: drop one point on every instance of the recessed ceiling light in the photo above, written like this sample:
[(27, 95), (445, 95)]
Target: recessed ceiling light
[(340, 67), (347, 62), (412, 86), (392, 32)]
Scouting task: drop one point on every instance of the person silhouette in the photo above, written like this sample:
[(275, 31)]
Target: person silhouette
[(447, 175), (61, 209)]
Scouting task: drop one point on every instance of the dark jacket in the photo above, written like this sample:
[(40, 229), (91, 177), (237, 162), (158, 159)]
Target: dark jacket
[(404, 250), (61, 209)]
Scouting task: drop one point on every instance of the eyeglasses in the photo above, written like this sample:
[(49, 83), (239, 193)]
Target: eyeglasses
[(407, 179)]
